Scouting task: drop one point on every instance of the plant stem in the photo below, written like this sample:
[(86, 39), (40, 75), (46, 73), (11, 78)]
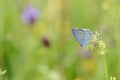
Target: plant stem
[(105, 64)]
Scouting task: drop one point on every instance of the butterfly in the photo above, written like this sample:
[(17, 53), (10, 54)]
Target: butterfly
[(83, 36)]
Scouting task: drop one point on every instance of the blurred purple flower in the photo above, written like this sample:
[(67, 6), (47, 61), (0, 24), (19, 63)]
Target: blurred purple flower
[(112, 42), (45, 42), (87, 54), (30, 15)]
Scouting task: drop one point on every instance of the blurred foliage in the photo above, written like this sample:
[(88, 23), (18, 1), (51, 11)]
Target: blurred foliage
[(47, 50)]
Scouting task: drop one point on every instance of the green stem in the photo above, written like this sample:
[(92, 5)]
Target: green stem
[(105, 64)]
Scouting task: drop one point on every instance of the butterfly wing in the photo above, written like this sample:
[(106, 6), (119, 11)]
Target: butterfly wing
[(83, 36), (86, 36)]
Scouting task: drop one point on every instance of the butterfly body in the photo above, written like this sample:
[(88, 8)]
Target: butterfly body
[(83, 36)]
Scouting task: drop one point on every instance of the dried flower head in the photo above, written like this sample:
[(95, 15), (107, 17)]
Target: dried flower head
[(102, 47), (96, 41), (45, 42)]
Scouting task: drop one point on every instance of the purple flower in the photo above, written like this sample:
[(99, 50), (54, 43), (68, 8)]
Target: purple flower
[(30, 15), (87, 54)]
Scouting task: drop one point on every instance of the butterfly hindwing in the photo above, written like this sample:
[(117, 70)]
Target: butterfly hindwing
[(83, 36)]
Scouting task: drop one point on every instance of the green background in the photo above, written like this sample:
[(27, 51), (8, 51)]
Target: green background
[(25, 58)]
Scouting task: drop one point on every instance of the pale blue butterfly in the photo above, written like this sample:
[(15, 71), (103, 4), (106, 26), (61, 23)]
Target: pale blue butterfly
[(83, 36)]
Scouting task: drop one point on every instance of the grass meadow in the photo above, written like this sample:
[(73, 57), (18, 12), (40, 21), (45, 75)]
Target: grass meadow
[(36, 40)]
